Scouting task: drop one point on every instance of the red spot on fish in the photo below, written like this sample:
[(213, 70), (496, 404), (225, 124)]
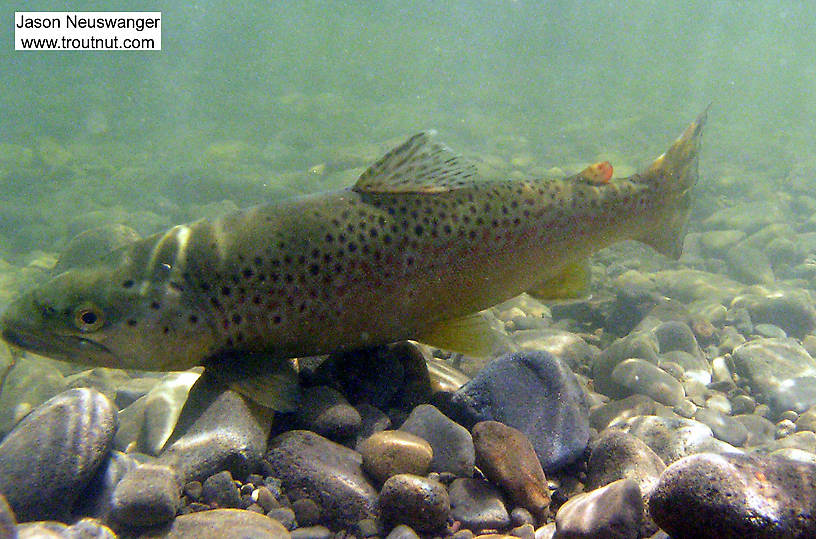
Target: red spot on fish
[(598, 173)]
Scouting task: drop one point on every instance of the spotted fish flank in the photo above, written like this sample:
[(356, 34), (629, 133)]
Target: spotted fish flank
[(412, 250)]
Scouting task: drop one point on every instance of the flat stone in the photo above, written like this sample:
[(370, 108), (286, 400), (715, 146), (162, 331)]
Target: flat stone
[(218, 524), (49, 458), (423, 504), (640, 344), (311, 466), (508, 459), (736, 496), (672, 439), (760, 430), (393, 452), (614, 511), (89, 528), (325, 411), (402, 532), (478, 505), (724, 427), (640, 376), (313, 532), (451, 443), (766, 363), (535, 393), (146, 496)]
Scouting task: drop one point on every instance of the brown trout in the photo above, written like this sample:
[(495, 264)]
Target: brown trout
[(411, 251)]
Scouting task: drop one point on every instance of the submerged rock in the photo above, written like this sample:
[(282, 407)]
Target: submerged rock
[(311, 466), (535, 393), (766, 363), (416, 501), (451, 443), (393, 452), (478, 505), (614, 511), (51, 455), (220, 523), (507, 458), (736, 496)]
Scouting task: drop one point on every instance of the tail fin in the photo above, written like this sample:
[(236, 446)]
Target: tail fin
[(673, 174)]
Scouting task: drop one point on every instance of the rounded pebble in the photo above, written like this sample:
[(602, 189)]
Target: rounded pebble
[(392, 452), (416, 501)]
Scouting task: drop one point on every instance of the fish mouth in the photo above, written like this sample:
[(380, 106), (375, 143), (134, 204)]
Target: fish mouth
[(71, 348)]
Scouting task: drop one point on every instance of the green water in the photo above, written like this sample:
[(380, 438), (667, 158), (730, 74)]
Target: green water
[(245, 98)]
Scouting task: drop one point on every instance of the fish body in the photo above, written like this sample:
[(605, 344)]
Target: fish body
[(418, 242)]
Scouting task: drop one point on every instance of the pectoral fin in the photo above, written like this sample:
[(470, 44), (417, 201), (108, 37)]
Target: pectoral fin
[(571, 283), (470, 335), (272, 383)]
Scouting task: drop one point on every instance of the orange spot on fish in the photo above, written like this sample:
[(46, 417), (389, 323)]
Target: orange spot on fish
[(598, 173)]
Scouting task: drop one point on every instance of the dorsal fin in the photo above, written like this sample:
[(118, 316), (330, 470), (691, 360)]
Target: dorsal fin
[(419, 165)]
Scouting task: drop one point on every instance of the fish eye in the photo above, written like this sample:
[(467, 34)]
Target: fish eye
[(88, 318)]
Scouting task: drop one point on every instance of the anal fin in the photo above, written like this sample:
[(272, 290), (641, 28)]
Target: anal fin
[(471, 335), (571, 283), (271, 382)]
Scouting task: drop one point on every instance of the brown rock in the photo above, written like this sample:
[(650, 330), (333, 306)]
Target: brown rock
[(507, 458), (392, 452), (421, 503)]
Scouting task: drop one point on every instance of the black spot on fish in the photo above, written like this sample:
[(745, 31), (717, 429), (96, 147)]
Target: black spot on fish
[(418, 230), (155, 305), (226, 291), (131, 322), (193, 319), (314, 269), (236, 318), (352, 247), (128, 284), (247, 273)]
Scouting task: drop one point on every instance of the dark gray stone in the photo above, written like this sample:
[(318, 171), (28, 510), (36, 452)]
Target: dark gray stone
[(325, 411), (416, 501), (402, 532), (614, 512), (451, 443), (618, 411), (219, 491), (307, 512), (674, 335), (146, 496), (311, 466), (535, 393), (285, 516), (49, 458), (641, 344), (790, 309), (478, 505), (218, 429), (736, 496)]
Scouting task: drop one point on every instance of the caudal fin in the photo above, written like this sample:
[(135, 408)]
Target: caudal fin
[(673, 175)]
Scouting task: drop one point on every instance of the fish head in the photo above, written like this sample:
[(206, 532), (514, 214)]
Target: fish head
[(102, 316)]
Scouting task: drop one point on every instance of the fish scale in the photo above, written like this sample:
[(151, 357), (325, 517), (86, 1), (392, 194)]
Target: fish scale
[(411, 251)]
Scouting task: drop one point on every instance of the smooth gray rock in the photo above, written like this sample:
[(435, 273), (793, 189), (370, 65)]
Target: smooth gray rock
[(695, 367), (219, 491), (451, 443), (797, 394), (617, 455), (326, 411), (51, 455), (673, 439), (760, 430), (30, 383), (423, 504), (642, 345), (218, 429), (614, 512), (146, 496), (640, 376), (618, 411), (89, 528), (767, 363), (537, 394), (402, 532), (736, 496), (311, 466), (315, 532), (790, 309), (478, 505), (676, 336), (724, 427)]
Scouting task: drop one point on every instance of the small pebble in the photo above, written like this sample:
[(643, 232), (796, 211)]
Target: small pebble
[(307, 512), (313, 532), (784, 428), (193, 490), (285, 516), (520, 516), (366, 528), (419, 502), (265, 498), (220, 491), (402, 532)]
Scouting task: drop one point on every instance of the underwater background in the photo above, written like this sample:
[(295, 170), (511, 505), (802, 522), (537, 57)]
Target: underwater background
[(252, 101)]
